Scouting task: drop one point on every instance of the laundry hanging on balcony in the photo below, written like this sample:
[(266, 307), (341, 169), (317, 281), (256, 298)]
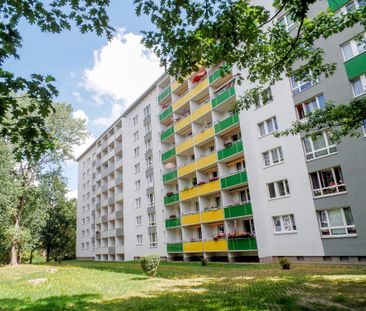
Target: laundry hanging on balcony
[(199, 76)]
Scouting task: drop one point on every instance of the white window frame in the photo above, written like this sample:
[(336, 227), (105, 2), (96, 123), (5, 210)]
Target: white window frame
[(136, 136), (289, 218), (362, 79), (153, 239), (147, 111), (137, 202), (343, 9), (269, 96), (286, 21), (136, 151), (138, 221), (265, 123), (137, 168), (327, 230), (299, 86), (147, 127), (150, 202), (353, 43), (364, 127), (278, 151), (135, 120), (137, 185), (339, 187), (152, 219), (304, 106), (329, 148), (139, 240), (276, 185)]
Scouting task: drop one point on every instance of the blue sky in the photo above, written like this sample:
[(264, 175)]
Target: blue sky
[(99, 78)]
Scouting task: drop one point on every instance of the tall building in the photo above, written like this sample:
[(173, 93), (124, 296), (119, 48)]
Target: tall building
[(180, 175)]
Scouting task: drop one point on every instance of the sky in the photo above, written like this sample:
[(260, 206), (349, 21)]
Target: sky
[(99, 78)]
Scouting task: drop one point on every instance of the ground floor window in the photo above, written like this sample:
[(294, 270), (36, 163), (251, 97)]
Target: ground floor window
[(284, 223), (337, 222), (153, 240)]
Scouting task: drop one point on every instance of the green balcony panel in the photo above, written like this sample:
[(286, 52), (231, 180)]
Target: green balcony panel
[(175, 247), (166, 113), (230, 151), (245, 244), (171, 223), (169, 131), (238, 210), (226, 123), (170, 176), (233, 180), (171, 198), (224, 96), (334, 5), (218, 73), (356, 66), (164, 93), (168, 154)]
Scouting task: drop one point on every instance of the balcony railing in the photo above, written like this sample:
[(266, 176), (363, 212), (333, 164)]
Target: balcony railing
[(172, 222), (238, 210), (170, 199), (234, 179)]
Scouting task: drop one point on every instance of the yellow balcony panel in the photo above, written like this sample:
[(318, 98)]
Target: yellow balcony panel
[(205, 108), (185, 145), (198, 88), (212, 216), (193, 247), (175, 85), (181, 101), (188, 220), (182, 123), (188, 194), (215, 246), (203, 136), (187, 169), (209, 188), (206, 161)]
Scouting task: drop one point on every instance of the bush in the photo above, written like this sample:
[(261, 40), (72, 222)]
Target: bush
[(150, 264), (204, 262), (285, 263)]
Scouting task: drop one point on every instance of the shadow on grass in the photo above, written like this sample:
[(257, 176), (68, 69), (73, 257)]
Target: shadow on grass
[(226, 294)]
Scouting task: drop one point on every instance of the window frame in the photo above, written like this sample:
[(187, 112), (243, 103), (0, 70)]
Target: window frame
[(329, 147), (139, 239), (362, 79), (153, 242), (265, 123), (291, 218), (320, 181), (279, 152), (277, 190), (304, 111)]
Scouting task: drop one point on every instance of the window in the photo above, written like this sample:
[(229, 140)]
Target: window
[(136, 151), (83, 233), (138, 221), (305, 108), (352, 5), (153, 240), (139, 239), (327, 182), (285, 223), (87, 245), (152, 219), (150, 181), (273, 156), (287, 22), (147, 127), (278, 189), (359, 85), (147, 111), (138, 202), (268, 126), (149, 162), (244, 195), (336, 222), (240, 166), (151, 199), (137, 168), (83, 221), (354, 47), (135, 120), (265, 97), (302, 85), (319, 147), (137, 185), (364, 127), (82, 245), (136, 136), (148, 145)]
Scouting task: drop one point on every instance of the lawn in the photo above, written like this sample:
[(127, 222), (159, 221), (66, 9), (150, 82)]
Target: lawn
[(80, 285)]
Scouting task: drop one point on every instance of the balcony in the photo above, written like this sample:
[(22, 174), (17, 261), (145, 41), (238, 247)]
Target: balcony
[(174, 247), (166, 133), (212, 216), (172, 223), (206, 161), (356, 66), (185, 145), (181, 101), (164, 94), (218, 77), (228, 153), (193, 247), (238, 210), (201, 111), (197, 89), (225, 99), (166, 114), (204, 136), (203, 189), (119, 232), (245, 244), (234, 180), (334, 5), (119, 214), (215, 246), (170, 199), (182, 124), (191, 219), (187, 169), (170, 176), (227, 124), (168, 154)]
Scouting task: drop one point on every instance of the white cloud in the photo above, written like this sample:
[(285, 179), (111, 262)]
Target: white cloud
[(72, 194), (78, 150), (122, 69), (116, 112), (80, 114)]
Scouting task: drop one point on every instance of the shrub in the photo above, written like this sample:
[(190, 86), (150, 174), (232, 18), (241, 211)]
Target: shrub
[(59, 259), (150, 264), (285, 263), (204, 262)]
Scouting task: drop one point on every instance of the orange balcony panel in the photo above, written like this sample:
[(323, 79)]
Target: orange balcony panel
[(212, 216), (188, 220), (191, 247), (206, 161), (205, 135)]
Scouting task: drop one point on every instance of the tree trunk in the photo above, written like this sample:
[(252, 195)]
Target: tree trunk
[(14, 245), (48, 251)]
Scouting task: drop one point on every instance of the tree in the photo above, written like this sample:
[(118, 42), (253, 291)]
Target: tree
[(27, 172), (191, 33), (53, 17)]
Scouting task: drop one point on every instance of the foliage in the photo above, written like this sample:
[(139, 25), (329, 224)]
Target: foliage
[(150, 264), (25, 123), (284, 263), (204, 262), (194, 33)]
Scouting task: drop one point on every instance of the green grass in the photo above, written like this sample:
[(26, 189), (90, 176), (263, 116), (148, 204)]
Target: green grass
[(81, 285)]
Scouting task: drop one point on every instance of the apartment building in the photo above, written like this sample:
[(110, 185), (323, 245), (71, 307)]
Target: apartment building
[(199, 181)]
